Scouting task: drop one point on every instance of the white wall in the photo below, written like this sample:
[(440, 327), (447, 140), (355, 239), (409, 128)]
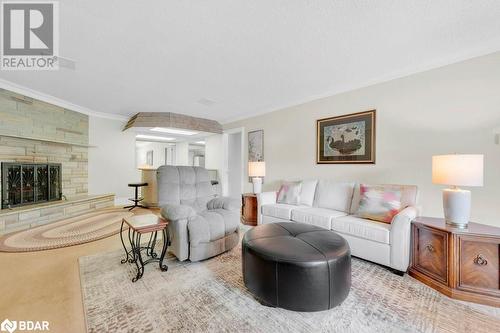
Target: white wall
[(452, 109), (182, 154), (234, 165), (158, 149), (112, 162), (214, 156)]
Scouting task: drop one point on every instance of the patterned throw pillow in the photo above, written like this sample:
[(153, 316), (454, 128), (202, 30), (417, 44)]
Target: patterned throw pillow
[(289, 193), (379, 203)]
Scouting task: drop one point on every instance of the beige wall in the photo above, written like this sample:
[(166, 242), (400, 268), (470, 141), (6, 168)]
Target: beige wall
[(112, 159), (451, 109)]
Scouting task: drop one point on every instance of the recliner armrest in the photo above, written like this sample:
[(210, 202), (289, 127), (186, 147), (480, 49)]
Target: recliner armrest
[(177, 212), (226, 203), (400, 237)]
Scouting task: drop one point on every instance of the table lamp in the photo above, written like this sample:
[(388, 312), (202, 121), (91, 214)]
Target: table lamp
[(257, 170), (457, 170)]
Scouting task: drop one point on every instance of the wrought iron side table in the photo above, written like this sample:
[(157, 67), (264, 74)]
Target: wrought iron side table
[(138, 226)]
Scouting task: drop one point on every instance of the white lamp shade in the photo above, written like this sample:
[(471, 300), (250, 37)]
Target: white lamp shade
[(458, 170), (256, 169)]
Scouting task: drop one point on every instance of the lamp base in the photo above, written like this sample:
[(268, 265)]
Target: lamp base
[(456, 205), (257, 184)]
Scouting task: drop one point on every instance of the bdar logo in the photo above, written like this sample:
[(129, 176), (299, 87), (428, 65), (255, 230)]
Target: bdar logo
[(8, 326)]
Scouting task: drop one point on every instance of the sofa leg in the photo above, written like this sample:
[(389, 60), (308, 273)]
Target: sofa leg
[(397, 272)]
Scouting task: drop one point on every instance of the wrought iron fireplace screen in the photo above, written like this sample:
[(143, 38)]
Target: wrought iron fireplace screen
[(29, 183)]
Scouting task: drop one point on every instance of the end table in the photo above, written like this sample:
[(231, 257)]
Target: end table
[(249, 209), (137, 226)]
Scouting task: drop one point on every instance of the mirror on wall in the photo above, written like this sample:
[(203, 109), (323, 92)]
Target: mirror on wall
[(155, 154)]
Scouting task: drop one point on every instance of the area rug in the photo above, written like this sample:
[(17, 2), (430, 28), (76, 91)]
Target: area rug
[(210, 296), (71, 231)]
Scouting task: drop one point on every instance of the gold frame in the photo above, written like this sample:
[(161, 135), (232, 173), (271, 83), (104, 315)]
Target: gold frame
[(373, 118)]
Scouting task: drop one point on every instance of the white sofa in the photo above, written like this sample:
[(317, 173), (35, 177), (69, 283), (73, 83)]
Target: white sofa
[(333, 205)]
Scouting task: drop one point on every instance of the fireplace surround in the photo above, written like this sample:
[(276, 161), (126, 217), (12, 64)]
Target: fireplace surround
[(30, 183)]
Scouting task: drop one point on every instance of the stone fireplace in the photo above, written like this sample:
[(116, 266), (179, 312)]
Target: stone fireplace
[(30, 183), (44, 157)]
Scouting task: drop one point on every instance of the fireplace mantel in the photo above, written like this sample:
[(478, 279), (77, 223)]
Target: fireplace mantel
[(47, 140)]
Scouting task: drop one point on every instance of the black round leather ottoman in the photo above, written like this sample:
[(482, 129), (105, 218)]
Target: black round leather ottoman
[(296, 266)]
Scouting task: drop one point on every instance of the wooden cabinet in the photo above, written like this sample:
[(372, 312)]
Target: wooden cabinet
[(249, 209), (431, 254), (478, 265), (461, 263)]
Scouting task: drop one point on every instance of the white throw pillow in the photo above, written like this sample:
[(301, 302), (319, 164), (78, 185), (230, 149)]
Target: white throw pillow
[(334, 195), (289, 193), (307, 192)]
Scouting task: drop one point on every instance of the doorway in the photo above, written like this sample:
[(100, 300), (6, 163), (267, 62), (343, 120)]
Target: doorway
[(232, 185)]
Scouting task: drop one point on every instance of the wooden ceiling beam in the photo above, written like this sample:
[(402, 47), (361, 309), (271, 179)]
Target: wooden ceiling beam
[(173, 120)]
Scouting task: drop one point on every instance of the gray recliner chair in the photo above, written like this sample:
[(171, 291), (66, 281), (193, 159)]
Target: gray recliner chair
[(201, 226)]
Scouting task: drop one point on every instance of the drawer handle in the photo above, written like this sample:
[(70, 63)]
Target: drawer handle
[(430, 248), (479, 260)]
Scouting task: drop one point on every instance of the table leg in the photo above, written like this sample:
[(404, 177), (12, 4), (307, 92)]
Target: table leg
[(153, 245), (132, 252), (148, 247), (166, 241), (137, 250), (123, 243)]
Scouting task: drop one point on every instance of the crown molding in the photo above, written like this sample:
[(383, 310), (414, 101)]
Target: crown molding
[(7, 85), (415, 70)]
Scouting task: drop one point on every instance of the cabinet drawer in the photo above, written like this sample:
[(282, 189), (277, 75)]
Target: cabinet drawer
[(430, 252), (478, 265)]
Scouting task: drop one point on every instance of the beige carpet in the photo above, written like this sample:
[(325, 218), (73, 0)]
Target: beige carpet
[(72, 231), (210, 297)]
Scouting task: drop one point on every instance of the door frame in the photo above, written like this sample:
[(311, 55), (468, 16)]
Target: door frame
[(225, 164)]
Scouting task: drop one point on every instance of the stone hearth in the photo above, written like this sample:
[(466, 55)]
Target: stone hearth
[(26, 217)]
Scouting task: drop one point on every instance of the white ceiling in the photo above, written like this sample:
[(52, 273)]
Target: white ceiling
[(254, 56)]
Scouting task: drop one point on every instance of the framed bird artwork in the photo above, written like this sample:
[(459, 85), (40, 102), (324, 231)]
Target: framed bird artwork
[(346, 139)]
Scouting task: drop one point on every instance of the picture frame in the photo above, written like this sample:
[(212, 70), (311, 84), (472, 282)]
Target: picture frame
[(256, 146), (347, 139)]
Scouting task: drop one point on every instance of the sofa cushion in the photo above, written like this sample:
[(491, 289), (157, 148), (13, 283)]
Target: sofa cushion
[(307, 192), (320, 217), (362, 228), (409, 194), (334, 195), (289, 193), (282, 211)]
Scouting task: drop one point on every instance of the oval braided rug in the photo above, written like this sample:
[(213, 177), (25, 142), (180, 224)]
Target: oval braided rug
[(71, 231)]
